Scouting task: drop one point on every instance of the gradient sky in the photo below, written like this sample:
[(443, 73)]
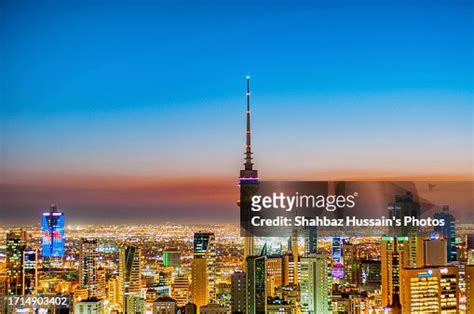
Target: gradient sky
[(136, 108)]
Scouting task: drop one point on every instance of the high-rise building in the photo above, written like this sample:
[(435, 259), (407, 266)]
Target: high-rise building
[(248, 181), (16, 245), (288, 269), (30, 272), (448, 231), (204, 254), (52, 230), (336, 249), (311, 240), (172, 258), (89, 306), (435, 252), (88, 279), (315, 284), (256, 285), (391, 263), (429, 290), (164, 305), (134, 304), (274, 267), (239, 293), (469, 280), (129, 275), (180, 290), (199, 282), (405, 205), (350, 263)]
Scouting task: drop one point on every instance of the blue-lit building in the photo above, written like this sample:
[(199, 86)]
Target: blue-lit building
[(52, 233), (336, 249), (448, 231)]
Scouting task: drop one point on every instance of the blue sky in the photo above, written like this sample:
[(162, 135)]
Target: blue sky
[(156, 88)]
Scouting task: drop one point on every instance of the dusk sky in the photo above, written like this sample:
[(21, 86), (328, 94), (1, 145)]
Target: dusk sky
[(135, 110)]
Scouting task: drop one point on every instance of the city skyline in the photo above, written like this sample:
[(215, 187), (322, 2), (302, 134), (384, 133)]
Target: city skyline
[(116, 114)]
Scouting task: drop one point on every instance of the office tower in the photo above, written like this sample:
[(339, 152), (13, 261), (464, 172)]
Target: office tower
[(172, 258), (134, 304), (101, 275), (404, 206), (16, 244), (256, 285), (448, 231), (52, 230), (248, 181), (164, 305), (213, 309), (469, 280), (315, 284), (275, 269), (349, 262), (205, 250), (429, 290), (295, 253), (288, 269), (391, 263), (336, 249), (435, 252), (89, 306), (113, 291), (30, 272), (129, 276), (311, 240), (239, 293), (88, 268), (180, 290), (199, 282)]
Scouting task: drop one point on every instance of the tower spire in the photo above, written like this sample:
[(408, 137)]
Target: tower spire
[(248, 146), (248, 171)]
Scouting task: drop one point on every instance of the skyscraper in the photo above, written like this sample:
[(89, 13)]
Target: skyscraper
[(315, 283), (30, 272), (311, 240), (248, 181), (16, 244), (180, 290), (205, 250), (469, 279), (172, 257), (129, 275), (429, 290), (88, 279), (391, 263), (256, 285), (52, 229), (448, 231), (200, 282), (405, 205), (239, 293)]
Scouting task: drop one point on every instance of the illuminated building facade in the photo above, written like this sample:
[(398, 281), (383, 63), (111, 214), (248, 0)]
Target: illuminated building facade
[(172, 258), (239, 293), (180, 290), (315, 284), (88, 279), (430, 290), (16, 245), (448, 231), (205, 249), (391, 263), (256, 285), (52, 230), (30, 272), (129, 276)]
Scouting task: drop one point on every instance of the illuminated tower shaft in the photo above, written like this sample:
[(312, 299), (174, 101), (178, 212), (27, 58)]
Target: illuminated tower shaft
[(248, 179)]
